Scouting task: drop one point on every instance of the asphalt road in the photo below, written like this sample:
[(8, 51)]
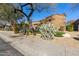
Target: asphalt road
[(7, 50)]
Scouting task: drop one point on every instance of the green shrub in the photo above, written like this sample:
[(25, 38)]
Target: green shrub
[(69, 27), (59, 34)]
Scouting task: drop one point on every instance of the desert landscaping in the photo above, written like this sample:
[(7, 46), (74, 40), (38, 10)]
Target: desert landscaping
[(31, 33)]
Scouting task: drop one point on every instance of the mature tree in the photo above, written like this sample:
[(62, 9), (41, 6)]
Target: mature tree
[(27, 9), (30, 8), (7, 13)]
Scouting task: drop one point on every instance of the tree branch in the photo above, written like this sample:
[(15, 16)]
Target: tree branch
[(15, 11)]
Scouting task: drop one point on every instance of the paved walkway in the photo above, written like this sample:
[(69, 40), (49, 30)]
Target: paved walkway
[(7, 50), (35, 46)]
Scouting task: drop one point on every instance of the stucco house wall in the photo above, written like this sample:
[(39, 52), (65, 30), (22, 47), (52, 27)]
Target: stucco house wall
[(59, 20)]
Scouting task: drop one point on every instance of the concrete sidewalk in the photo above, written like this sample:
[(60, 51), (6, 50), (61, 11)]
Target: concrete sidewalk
[(35, 46)]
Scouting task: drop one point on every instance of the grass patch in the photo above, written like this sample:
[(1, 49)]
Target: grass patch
[(59, 34)]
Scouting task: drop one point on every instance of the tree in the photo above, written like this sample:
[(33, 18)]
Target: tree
[(32, 7), (7, 13)]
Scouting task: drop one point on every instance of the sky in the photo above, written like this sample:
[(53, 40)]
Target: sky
[(61, 8)]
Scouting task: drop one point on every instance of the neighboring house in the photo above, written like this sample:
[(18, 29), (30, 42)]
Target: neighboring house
[(59, 20), (76, 25)]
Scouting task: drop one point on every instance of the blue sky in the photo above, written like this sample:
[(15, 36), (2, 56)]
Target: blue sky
[(60, 9)]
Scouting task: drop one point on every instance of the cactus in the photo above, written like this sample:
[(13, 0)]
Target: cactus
[(47, 31)]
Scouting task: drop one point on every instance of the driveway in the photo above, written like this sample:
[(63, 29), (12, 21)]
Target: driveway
[(36, 46), (7, 50)]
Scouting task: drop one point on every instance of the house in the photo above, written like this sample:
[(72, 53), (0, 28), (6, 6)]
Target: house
[(76, 25), (59, 20)]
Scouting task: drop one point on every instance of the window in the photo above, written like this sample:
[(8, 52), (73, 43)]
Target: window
[(49, 19)]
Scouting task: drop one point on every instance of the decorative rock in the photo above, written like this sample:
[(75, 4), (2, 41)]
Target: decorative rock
[(76, 37), (67, 35)]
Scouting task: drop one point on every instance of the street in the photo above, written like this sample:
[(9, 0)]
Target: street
[(7, 50)]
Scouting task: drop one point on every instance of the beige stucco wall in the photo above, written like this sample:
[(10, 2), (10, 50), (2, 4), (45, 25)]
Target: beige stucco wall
[(59, 20)]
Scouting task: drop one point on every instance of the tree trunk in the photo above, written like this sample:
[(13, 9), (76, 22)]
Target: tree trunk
[(14, 26)]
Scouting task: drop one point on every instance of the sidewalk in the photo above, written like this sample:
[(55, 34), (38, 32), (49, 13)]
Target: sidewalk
[(35, 46)]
